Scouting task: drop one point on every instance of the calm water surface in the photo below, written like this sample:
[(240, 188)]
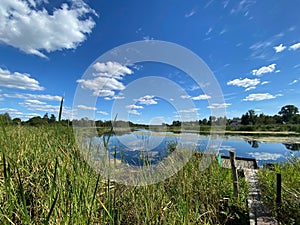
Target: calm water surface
[(155, 146)]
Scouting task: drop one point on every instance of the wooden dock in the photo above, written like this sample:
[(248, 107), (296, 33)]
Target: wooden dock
[(258, 213)]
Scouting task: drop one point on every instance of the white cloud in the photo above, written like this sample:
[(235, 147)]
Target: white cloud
[(115, 97), (8, 110), (132, 109), (259, 97), (225, 3), (33, 96), (265, 155), (279, 48), (295, 46), (102, 113), (294, 82), (218, 105), (191, 110), (209, 31), (223, 31), (14, 113), (34, 101), (201, 97), (47, 108), (147, 100), (111, 69), (264, 69), (18, 80), (107, 79), (243, 7), (134, 112), (85, 107), (247, 83), (190, 13), (265, 82), (134, 106), (31, 30), (262, 50), (185, 96)]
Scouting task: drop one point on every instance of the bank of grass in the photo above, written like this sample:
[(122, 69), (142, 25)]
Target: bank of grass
[(43, 180), (289, 210)]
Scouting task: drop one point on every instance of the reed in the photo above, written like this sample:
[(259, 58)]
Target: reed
[(44, 180)]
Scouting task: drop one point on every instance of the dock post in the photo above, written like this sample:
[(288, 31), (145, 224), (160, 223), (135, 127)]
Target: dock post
[(278, 189), (234, 174)]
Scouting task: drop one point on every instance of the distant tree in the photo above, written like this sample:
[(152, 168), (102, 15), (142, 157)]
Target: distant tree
[(16, 121), (245, 120), (176, 123), (6, 119), (52, 118), (36, 121), (287, 112), (46, 118), (252, 117), (204, 121), (249, 118), (211, 120)]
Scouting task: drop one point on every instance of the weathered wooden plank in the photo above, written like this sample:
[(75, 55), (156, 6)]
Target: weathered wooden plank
[(259, 215), (240, 163)]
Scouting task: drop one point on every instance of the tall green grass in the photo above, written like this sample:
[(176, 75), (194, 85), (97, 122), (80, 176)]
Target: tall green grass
[(289, 210), (44, 180)]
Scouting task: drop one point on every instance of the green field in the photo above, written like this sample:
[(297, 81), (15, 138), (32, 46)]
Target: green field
[(44, 180)]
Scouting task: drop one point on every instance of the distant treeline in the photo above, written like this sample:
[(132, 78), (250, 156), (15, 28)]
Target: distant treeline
[(288, 115)]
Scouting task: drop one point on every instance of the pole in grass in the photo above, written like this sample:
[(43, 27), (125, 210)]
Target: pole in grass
[(60, 109)]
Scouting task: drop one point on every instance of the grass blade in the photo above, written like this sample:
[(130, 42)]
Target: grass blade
[(51, 209)]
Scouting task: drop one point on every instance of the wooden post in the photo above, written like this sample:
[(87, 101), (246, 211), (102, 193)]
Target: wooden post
[(234, 174), (278, 189)]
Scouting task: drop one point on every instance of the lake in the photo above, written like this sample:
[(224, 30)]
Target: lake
[(155, 146)]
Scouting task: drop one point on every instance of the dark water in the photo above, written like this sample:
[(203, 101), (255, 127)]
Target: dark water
[(142, 145)]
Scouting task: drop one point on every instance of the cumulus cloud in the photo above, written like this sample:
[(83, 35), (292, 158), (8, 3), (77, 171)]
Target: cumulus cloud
[(259, 97), (264, 69), (279, 48), (147, 100), (53, 109), (34, 31), (18, 80), (134, 106), (85, 107), (14, 113), (103, 113), (134, 112), (33, 96), (247, 83), (107, 79), (8, 110), (201, 97), (34, 101), (295, 46), (132, 109), (111, 69), (218, 105)]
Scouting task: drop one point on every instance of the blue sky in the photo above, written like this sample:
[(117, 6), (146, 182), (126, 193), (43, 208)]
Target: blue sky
[(252, 48)]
